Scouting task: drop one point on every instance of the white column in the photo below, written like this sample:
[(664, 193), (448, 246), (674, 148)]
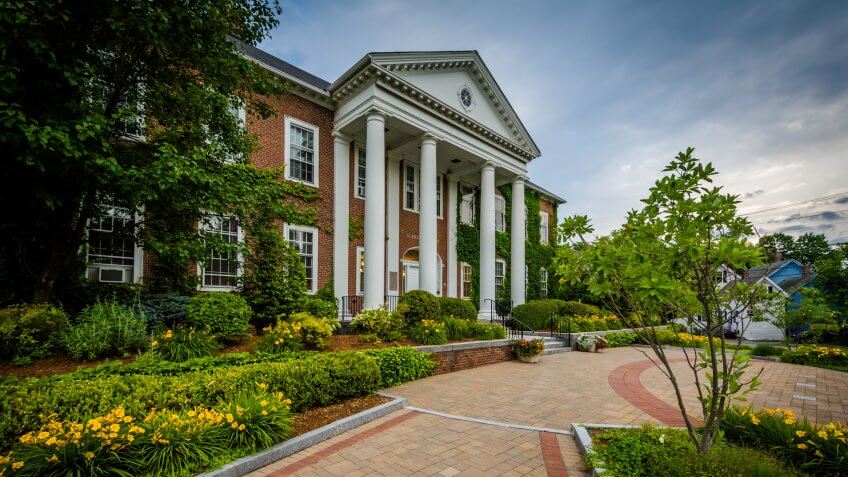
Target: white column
[(452, 262), (487, 239), (375, 210), (393, 225), (427, 254), (517, 239), (341, 215)]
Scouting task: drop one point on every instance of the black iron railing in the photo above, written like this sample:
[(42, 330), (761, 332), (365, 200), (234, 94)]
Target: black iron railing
[(350, 307), (560, 328)]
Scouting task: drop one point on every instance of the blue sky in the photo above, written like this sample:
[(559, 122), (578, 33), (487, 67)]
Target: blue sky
[(612, 90)]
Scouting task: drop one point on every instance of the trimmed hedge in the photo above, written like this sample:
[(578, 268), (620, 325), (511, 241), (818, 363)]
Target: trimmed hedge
[(417, 305), (401, 364), (536, 314), (458, 308), (225, 315)]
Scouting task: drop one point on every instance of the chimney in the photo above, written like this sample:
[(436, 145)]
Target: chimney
[(805, 274), (778, 256)]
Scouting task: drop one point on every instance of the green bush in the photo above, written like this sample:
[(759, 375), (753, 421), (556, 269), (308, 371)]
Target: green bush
[(619, 338), (401, 364), (648, 451), (575, 308), (536, 314), (416, 305), (280, 338), (319, 308), (816, 450), (315, 333), (457, 329), (458, 308), (384, 324), (106, 329), (762, 349), (316, 379), (76, 295), (428, 332), (225, 315), (488, 332), (30, 331), (165, 309), (182, 344), (816, 355)]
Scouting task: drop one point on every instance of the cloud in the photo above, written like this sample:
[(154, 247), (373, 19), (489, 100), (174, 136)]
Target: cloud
[(841, 200), (749, 195)]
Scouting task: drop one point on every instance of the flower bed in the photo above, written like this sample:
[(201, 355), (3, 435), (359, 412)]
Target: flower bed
[(816, 355)]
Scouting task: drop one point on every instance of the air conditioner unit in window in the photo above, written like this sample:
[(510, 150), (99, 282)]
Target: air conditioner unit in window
[(109, 274)]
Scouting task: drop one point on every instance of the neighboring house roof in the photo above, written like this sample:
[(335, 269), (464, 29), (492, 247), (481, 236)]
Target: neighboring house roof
[(756, 273), (555, 198), (794, 283), (283, 68)]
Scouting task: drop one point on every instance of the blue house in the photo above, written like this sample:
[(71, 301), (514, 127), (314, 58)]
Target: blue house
[(788, 277)]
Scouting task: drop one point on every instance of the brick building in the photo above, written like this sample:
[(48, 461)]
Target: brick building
[(403, 148)]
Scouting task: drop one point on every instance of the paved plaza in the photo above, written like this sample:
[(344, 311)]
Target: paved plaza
[(458, 423)]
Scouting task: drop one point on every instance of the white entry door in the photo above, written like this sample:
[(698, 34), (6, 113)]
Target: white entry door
[(410, 281)]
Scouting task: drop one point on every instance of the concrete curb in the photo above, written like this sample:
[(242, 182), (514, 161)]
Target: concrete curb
[(296, 444)]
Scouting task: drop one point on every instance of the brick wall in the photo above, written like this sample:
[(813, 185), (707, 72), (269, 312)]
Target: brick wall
[(450, 361)]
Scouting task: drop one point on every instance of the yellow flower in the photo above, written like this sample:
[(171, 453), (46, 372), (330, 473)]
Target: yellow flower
[(229, 417), (263, 403), (115, 427), (818, 453), (241, 427), (154, 344), (755, 420), (234, 425), (51, 441), (802, 446), (53, 458), (822, 435), (89, 455), (789, 421), (800, 433), (17, 465)]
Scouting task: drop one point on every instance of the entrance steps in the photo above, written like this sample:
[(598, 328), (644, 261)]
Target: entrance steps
[(552, 345)]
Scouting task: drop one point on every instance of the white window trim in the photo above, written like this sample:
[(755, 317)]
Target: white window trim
[(499, 199), (461, 199), (287, 146), (462, 289), (239, 259), (359, 284), (356, 177), (544, 218), (543, 282), (440, 195), (499, 260), (314, 231), (138, 252), (416, 187)]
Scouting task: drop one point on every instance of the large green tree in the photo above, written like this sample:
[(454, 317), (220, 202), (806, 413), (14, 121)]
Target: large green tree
[(832, 280), (808, 248), (128, 103), (664, 262)]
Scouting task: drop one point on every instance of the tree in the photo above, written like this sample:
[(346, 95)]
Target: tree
[(664, 262), (129, 103), (777, 243), (810, 309), (808, 248), (832, 280)]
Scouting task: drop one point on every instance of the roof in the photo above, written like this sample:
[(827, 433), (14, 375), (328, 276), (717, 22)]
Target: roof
[(556, 198), (793, 283), (283, 67), (756, 273)]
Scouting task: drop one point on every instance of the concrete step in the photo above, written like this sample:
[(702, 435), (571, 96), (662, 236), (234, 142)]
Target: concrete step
[(555, 350)]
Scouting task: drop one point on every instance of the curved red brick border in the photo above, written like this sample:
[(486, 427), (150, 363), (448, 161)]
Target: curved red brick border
[(625, 381)]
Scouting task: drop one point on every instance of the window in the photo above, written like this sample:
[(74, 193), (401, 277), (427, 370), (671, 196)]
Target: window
[(305, 241), (223, 267), (360, 173), (301, 152), (410, 196), (543, 283), (439, 178), (500, 274), (360, 270), (466, 207), (467, 274), (543, 226), (111, 247), (239, 112), (500, 214)]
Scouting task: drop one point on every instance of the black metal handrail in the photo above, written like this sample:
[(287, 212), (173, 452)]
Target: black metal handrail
[(351, 306), (558, 331)]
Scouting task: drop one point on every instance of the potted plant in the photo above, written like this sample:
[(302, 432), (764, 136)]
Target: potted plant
[(591, 343), (528, 351)]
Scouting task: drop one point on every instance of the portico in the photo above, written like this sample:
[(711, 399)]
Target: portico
[(428, 123)]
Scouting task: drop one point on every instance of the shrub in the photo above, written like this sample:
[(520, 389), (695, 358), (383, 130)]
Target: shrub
[(256, 420), (384, 324), (416, 305), (817, 450), (106, 328), (536, 314), (457, 329), (30, 331), (648, 451), (527, 348), (488, 332), (182, 344), (457, 307), (76, 295), (762, 349), (280, 338), (319, 308), (225, 315), (315, 332), (401, 364), (619, 338), (428, 332), (165, 309), (575, 308), (816, 355)]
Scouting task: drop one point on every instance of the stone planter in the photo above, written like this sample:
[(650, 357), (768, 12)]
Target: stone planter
[(530, 359)]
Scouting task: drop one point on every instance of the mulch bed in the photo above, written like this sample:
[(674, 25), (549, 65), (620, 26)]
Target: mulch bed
[(312, 419)]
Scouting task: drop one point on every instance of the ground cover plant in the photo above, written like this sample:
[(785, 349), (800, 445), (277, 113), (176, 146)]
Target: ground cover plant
[(648, 451), (182, 344)]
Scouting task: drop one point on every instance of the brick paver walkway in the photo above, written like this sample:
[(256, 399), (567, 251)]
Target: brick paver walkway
[(616, 386)]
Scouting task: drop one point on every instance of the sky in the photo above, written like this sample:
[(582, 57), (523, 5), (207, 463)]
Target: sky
[(611, 91)]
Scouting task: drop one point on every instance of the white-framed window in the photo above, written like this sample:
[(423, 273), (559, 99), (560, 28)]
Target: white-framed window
[(543, 227), (238, 110), (305, 241), (466, 206), (410, 187), (500, 213), (222, 268), (360, 270), (543, 282), (359, 187), (465, 282), (301, 152), (500, 275), (112, 254), (439, 180)]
